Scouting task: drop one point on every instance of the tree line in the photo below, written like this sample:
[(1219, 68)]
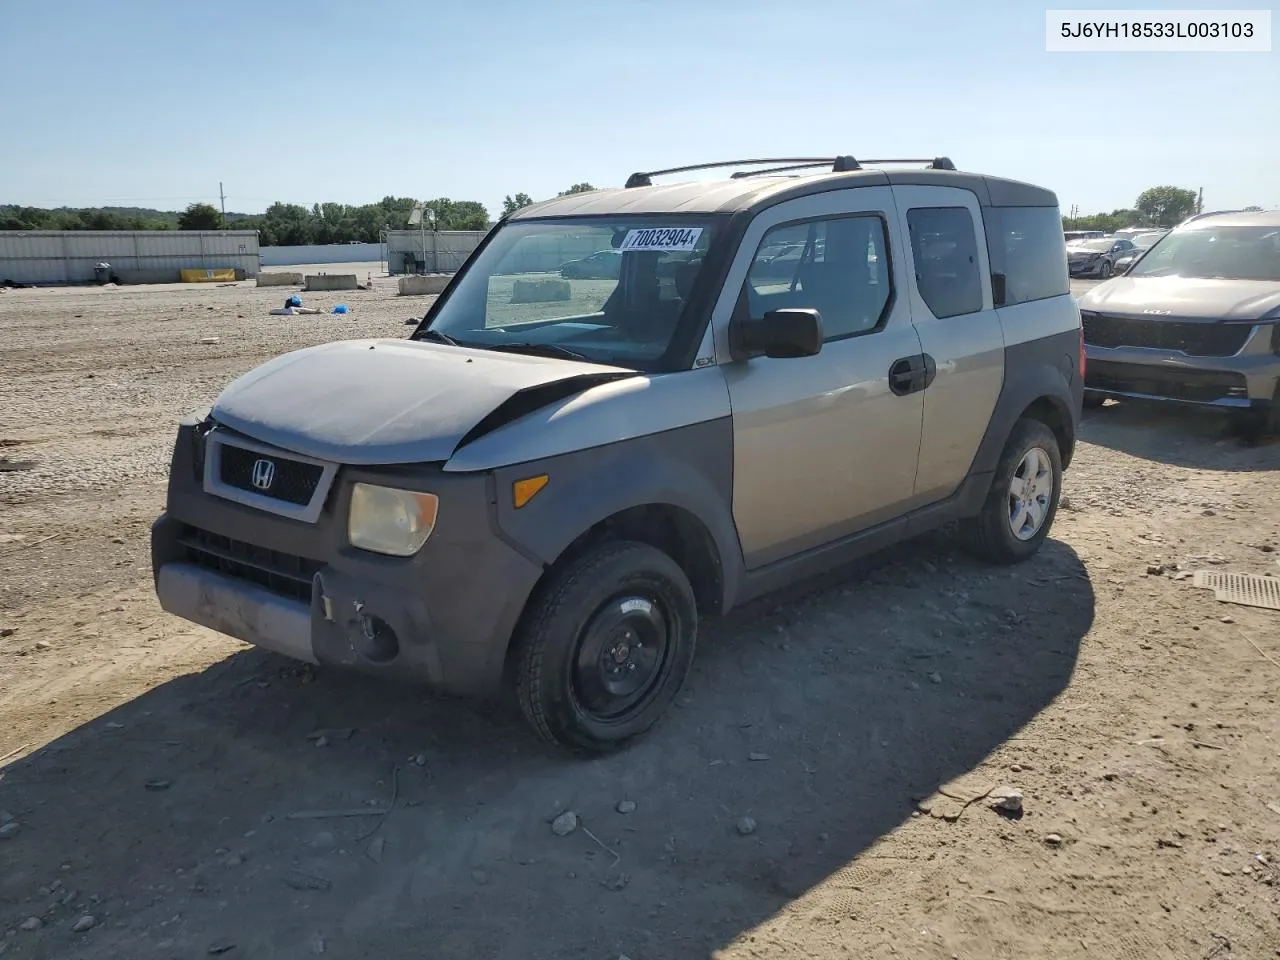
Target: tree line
[(283, 224), (287, 224), (1157, 207)]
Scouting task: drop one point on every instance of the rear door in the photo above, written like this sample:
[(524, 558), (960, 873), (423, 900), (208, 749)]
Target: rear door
[(960, 332)]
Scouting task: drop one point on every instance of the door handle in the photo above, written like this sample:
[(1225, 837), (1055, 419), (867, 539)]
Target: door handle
[(905, 375)]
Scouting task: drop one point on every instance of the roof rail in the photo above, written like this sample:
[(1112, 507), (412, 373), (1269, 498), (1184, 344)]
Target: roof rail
[(1207, 213), (844, 164)]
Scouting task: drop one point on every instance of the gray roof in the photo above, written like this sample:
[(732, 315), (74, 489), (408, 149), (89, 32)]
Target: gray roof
[(751, 193), (1240, 218)]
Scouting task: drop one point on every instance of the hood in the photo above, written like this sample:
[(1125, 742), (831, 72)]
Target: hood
[(368, 402), (1081, 253), (1187, 299)]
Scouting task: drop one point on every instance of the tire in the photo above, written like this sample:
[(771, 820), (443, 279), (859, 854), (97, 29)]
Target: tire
[(1107, 270), (586, 631), (1256, 426), (990, 534)]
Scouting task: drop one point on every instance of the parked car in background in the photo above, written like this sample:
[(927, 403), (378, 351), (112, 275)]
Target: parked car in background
[(1142, 242), (1070, 235), (1096, 258), (601, 265), (1195, 321)]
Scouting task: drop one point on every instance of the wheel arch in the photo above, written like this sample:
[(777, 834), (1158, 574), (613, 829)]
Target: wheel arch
[(1042, 382), (675, 530), (1053, 412), (672, 490)]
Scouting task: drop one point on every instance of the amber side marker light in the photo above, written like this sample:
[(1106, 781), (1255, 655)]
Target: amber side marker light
[(522, 491)]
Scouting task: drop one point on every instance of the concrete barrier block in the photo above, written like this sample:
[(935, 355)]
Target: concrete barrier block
[(332, 281), (279, 279), (414, 286), (540, 291)]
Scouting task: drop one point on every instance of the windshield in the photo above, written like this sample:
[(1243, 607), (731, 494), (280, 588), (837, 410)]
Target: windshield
[(1230, 253), (610, 290)]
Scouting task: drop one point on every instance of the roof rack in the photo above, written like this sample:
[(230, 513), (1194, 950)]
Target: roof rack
[(844, 164), (1207, 213)]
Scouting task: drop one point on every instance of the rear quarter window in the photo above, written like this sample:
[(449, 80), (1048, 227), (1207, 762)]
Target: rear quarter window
[(1026, 245), (944, 246)]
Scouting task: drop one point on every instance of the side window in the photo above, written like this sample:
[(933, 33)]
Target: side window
[(1025, 244), (945, 248), (839, 267)]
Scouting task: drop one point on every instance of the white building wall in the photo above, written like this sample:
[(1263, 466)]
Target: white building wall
[(69, 256), (321, 253)]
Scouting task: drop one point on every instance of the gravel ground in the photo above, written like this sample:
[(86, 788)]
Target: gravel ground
[(823, 788)]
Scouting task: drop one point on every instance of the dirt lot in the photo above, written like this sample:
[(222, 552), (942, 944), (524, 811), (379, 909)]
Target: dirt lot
[(155, 772)]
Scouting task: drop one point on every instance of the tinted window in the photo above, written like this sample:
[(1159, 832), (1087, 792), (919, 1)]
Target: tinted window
[(945, 248), (838, 267), (1025, 244)]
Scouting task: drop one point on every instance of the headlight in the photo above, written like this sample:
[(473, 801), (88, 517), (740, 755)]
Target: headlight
[(390, 521)]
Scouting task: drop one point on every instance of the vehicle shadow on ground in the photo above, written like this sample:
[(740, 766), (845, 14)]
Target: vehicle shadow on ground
[(1177, 436), (819, 715)]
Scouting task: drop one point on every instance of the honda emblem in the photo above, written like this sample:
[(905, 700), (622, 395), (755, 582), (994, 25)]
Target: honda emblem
[(264, 474)]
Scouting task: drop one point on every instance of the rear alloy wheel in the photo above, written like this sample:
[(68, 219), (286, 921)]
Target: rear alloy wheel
[(1106, 270), (606, 646), (1023, 500)]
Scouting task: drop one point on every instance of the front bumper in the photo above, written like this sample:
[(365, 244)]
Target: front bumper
[(1085, 268), (1243, 382), (443, 618)]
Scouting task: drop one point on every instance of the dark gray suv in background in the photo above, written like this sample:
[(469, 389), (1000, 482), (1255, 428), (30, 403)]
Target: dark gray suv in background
[(1196, 320)]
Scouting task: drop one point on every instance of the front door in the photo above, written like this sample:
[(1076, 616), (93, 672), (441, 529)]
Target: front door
[(824, 446)]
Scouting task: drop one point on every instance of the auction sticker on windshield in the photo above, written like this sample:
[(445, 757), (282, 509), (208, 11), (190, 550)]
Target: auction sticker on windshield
[(661, 239)]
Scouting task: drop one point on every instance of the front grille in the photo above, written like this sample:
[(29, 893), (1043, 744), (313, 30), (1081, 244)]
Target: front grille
[(291, 481), (1196, 386), (282, 573), (1193, 339)]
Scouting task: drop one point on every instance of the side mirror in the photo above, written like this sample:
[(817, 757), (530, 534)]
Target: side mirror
[(781, 334)]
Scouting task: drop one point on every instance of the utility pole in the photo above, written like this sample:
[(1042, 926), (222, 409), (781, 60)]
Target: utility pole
[(222, 197), (1200, 201)]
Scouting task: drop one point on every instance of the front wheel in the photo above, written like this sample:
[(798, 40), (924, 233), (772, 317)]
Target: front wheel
[(1254, 427), (1106, 270), (605, 647), (1020, 507)]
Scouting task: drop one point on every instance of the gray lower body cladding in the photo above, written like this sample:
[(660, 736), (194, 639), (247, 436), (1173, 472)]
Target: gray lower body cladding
[(1041, 369), (442, 618)]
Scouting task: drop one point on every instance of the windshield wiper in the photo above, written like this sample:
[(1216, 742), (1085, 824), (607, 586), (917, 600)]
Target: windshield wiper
[(438, 337), (541, 349)]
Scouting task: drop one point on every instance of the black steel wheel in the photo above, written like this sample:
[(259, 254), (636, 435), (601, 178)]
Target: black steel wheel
[(605, 646)]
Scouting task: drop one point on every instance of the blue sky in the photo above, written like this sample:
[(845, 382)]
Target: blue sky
[(152, 104)]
